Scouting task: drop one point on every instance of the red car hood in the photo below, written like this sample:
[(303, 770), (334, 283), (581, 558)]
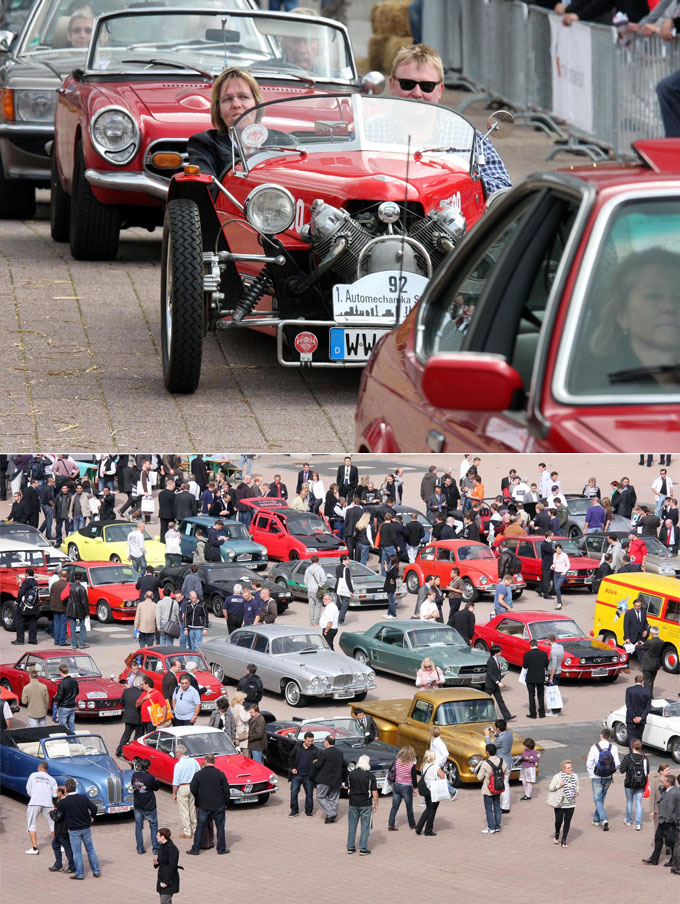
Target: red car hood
[(116, 591), (614, 430), (240, 769), (207, 679), (173, 103), (111, 689)]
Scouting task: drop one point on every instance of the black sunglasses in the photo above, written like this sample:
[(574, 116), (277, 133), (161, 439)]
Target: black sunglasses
[(408, 84)]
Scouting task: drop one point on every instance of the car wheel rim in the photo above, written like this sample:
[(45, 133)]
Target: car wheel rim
[(168, 299), (480, 645), (8, 618), (102, 612), (412, 583), (217, 671), (73, 553), (671, 660), (360, 656), (468, 590), (621, 733), (5, 683), (292, 694), (451, 772)]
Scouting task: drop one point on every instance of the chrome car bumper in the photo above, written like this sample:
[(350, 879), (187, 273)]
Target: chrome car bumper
[(126, 181)]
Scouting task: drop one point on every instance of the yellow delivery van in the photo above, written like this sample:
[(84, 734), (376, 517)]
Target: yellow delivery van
[(660, 597)]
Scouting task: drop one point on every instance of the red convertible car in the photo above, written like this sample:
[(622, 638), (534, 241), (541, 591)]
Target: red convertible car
[(111, 589), (249, 781), (97, 695), (155, 662), (288, 534), (477, 565), (582, 567), (583, 656), (554, 326)]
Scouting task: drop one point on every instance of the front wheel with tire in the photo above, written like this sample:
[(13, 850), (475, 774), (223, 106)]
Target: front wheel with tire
[(94, 228), (620, 733), (293, 556), (114, 558), (575, 532), (262, 799), (470, 592), (608, 638), (182, 297), (17, 198), (362, 657), (452, 774), (674, 749), (670, 660), (412, 582), (60, 206), (359, 697), (217, 606), (518, 595), (292, 694), (610, 678), (8, 616), (104, 614), (73, 552), (481, 645)]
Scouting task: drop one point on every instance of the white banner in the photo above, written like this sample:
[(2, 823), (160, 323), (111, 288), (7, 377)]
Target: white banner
[(571, 56)]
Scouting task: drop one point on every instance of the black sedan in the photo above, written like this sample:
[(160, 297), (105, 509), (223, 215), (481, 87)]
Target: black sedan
[(218, 581), (283, 736)]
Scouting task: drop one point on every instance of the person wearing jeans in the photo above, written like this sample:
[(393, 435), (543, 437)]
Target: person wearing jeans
[(633, 764), (492, 801), (405, 780), (79, 811), (65, 699), (363, 801), (390, 587), (601, 783), (302, 760), (144, 787), (560, 567)]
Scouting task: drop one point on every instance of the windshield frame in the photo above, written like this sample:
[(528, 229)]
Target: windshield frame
[(220, 737), (84, 740), (59, 660), (319, 644), (443, 629), (555, 630)]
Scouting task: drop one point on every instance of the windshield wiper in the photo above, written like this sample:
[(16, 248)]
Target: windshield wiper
[(654, 370), (172, 65), (442, 150), (286, 73), (308, 650)]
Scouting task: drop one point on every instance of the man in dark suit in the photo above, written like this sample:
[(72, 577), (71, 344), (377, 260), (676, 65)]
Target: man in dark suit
[(493, 682), (148, 581), (327, 773), (304, 476), (535, 661), (635, 627), (638, 706), (32, 503), (200, 472), (464, 622), (365, 725), (166, 507), (546, 552), (347, 478), (436, 503), (670, 535), (185, 504), (210, 789), (352, 514), (651, 658)]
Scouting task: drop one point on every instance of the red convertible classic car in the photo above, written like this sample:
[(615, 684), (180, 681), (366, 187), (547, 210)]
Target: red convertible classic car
[(477, 565), (249, 782), (581, 570), (111, 589), (583, 656), (554, 326), (155, 662), (97, 695)]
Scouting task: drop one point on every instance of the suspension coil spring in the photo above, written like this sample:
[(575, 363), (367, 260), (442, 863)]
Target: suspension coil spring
[(255, 292)]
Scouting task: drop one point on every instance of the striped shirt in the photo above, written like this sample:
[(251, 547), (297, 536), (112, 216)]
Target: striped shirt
[(402, 773)]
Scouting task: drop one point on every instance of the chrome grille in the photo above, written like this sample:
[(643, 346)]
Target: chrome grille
[(472, 670), (380, 775), (168, 146), (114, 788), (343, 682)]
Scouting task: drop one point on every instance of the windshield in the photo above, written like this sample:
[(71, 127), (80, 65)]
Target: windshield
[(22, 558), (578, 506), (185, 658), (460, 711), (356, 569), (293, 47), (306, 525), (237, 532), (118, 533), (78, 667), (627, 339), (474, 552), (23, 533), (391, 126), (211, 742), (78, 745), (297, 643), (561, 629), (572, 549), (338, 728), (656, 548), (113, 574), (435, 637), (224, 573)]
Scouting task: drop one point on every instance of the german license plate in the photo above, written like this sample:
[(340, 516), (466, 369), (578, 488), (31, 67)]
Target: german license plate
[(246, 799), (110, 712), (118, 809), (343, 695), (353, 344), (210, 704), (379, 596), (600, 673)]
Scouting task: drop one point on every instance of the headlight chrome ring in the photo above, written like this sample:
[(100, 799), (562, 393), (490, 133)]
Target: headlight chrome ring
[(115, 135)]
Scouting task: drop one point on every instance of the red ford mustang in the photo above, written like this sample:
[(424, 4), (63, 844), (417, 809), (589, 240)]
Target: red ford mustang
[(249, 781), (554, 325), (155, 662), (97, 696), (477, 564), (580, 573), (111, 589), (583, 656)]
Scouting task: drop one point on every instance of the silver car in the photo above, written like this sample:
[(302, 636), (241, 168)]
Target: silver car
[(292, 661), (367, 585), (578, 506)]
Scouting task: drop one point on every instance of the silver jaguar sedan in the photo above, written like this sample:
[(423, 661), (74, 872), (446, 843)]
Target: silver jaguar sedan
[(292, 661)]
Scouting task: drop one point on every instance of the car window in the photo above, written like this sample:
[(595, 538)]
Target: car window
[(511, 627), (243, 639), (626, 340), (456, 712), (651, 603), (525, 548), (422, 711), (392, 636), (152, 739), (153, 664), (594, 545), (90, 530), (427, 555), (33, 662), (260, 645), (445, 555), (166, 743), (673, 611), (187, 528)]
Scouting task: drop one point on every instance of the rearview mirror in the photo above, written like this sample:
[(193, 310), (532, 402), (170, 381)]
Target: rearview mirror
[(222, 36), (470, 382)]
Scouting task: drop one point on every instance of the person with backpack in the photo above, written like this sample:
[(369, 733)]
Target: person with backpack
[(27, 609), (493, 773), (602, 763), (562, 793), (635, 767)]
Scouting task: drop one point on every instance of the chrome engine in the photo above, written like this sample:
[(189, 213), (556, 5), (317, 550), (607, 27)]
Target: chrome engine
[(352, 249)]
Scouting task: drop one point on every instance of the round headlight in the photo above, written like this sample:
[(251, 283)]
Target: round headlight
[(371, 676), (315, 682), (326, 681), (35, 106), (351, 767), (270, 209), (473, 760), (273, 779), (623, 657), (81, 704), (483, 580), (115, 135), (230, 553), (567, 661), (92, 790), (129, 788), (582, 661), (449, 670), (90, 704)]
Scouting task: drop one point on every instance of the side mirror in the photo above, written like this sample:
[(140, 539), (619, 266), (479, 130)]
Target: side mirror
[(471, 382), (373, 83), (500, 124), (6, 38)]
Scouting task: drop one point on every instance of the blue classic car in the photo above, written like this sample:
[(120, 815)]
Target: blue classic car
[(82, 756), (240, 546)]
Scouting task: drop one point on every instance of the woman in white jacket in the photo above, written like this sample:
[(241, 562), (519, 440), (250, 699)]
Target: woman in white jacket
[(317, 492)]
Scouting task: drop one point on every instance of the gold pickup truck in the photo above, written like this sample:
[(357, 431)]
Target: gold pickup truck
[(461, 713)]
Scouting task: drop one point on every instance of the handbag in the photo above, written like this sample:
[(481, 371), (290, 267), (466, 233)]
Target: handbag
[(553, 697), (147, 504), (522, 676), (88, 623), (439, 790), (172, 629), (554, 798), (157, 714), (387, 787)]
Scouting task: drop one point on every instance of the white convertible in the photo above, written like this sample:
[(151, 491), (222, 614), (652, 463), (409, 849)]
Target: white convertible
[(662, 729)]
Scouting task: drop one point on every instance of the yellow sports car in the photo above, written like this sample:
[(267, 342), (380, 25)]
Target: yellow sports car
[(101, 540)]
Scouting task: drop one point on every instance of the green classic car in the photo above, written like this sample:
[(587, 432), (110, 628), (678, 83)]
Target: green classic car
[(400, 647)]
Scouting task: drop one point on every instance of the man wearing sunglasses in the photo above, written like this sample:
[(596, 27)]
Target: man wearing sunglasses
[(418, 74)]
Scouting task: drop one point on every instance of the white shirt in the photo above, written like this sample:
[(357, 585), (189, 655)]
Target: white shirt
[(441, 752), (557, 499), (429, 610), (172, 542), (41, 788), (317, 489), (6, 711), (594, 755), (194, 489), (135, 544), (519, 491), (561, 563), (656, 487), (544, 484), (329, 616), (465, 466)]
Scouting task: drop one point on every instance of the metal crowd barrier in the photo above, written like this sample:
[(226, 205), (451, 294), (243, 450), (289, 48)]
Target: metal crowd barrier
[(500, 49)]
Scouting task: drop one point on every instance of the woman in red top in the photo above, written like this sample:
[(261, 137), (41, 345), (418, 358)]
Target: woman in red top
[(144, 702)]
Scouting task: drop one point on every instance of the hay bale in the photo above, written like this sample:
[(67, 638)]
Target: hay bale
[(391, 18), (390, 46), (375, 52)]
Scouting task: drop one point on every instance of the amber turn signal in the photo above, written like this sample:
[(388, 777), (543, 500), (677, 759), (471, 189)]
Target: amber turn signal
[(191, 169), (167, 161), (8, 105)]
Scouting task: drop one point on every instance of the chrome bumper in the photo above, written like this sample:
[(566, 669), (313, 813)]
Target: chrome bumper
[(124, 181)]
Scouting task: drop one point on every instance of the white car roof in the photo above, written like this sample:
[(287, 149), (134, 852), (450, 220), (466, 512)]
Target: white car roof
[(181, 731), (9, 545)]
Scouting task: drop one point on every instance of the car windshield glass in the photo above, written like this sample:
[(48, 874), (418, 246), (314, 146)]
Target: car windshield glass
[(571, 548), (78, 667), (224, 573), (78, 745), (118, 533), (566, 628), (392, 126), (671, 710), (237, 532), (57, 30), (306, 525), (435, 637), (578, 506), (22, 558), (474, 552), (113, 574), (296, 47), (209, 742), (344, 729), (460, 711), (186, 658), (22, 533), (297, 643), (656, 548), (627, 338), (356, 569)]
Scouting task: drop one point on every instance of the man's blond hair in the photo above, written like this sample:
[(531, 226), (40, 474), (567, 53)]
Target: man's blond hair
[(421, 55)]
